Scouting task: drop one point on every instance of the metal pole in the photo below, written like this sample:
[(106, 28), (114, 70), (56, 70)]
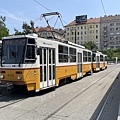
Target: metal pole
[(75, 35)]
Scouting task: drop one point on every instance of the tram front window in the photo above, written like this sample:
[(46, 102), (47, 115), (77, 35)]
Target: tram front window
[(30, 51), (30, 54), (13, 51)]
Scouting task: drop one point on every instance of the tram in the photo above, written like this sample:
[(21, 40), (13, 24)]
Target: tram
[(99, 61), (39, 63)]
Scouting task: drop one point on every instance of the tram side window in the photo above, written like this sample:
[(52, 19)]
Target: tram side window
[(72, 54), (89, 56), (30, 54), (101, 57), (93, 57), (62, 53), (0, 50), (84, 56), (105, 58)]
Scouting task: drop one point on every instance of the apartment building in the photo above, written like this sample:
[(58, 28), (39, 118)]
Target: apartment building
[(83, 32), (110, 32), (50, 33)]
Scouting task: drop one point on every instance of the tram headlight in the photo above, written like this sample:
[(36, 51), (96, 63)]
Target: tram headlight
[(19, 77), (1, 76)]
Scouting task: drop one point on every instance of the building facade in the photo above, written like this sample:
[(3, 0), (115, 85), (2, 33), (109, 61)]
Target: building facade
[(110, 32), (51, 33), (81, 33)]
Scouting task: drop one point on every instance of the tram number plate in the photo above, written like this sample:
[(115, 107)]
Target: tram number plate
[(10, 75)]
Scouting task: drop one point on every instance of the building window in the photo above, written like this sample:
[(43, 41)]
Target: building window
[(81, 33), (117, 38), (111, 43), (111, 38), (117, 24), (111, 29), (81, 38), (90, 31), (111, 24), (96, 31), (118, 28), (117, 42), (96, 36), (90, 37), (68, 29), (81, 27), (111, 46), (90, 26), (96, 26), (118, 47), (78, 33), (84, 32), (84, 27)]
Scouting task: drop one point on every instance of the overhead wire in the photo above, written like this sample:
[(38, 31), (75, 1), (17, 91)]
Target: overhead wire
[(42, 6), (49, 11), (103, 7)]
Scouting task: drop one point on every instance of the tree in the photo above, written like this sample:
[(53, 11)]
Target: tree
[(26, 29), (90, 45), (3, 29), (110, 54), (17, 32)]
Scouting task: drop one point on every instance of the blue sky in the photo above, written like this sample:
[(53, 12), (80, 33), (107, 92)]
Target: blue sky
[(17, 12)]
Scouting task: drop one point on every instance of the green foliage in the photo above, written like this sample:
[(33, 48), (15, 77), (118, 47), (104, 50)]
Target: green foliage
[(3, 29), (112, 53), (26, 29), (17, 32), (90, 45)]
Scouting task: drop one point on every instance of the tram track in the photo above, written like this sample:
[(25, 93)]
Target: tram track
[(74, 97), (13, 98), (65, 103)]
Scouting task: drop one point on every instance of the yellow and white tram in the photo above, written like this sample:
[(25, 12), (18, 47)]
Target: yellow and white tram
[(103, 61), (96, 61), (39, 63), (99, 61)]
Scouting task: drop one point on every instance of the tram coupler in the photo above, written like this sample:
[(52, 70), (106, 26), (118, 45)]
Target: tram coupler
[(5, 88)]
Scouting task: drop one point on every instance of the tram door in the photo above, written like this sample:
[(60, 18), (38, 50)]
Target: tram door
[(97, 62), (79, 65), (47, 67)]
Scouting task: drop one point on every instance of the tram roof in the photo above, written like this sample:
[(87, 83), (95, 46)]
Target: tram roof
[(21, 36), (73, 44)]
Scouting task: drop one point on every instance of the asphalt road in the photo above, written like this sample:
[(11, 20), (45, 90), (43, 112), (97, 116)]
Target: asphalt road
[(80, 100)]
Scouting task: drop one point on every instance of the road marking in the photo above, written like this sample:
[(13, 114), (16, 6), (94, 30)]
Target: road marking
[(119, 112)]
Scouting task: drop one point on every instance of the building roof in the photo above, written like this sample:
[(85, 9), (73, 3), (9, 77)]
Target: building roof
[(91, 20), (48, 29)]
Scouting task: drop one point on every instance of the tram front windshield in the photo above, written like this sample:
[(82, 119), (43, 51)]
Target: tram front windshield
[(13, 51)]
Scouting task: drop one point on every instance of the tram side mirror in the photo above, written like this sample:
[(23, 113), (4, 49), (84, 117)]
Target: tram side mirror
[(38, 51)]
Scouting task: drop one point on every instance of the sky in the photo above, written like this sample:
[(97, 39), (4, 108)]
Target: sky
[(19, 11)]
